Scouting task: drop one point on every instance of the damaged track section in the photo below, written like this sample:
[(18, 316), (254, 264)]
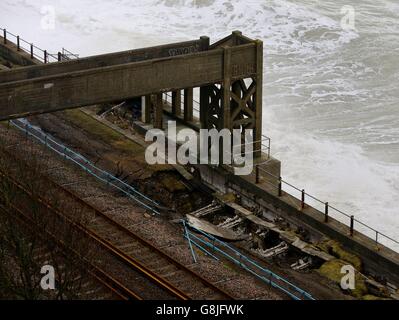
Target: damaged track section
[(214, 247)]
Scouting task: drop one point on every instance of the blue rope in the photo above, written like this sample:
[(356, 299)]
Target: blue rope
[(189, 242)]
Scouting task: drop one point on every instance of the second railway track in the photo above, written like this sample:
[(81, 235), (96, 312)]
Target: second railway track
[(174, 278)]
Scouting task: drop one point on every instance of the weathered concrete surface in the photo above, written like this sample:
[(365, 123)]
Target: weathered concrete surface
[(99, 61), (120, 82)]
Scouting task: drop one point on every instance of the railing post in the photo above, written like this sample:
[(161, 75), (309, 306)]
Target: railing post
[(5, 36), (45, 56), (176, 103), (31, 50), (18, 45), (147, 109), (269, 149), (326, 213), (158, 112), (351, 226), (280, 186), (303, 199), (257, 173)]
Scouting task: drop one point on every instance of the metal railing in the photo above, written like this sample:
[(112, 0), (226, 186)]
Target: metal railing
[(214, 247), (278, 184), (196, 104), (85, 164), (34, 51), (68, 55), (264, 143)]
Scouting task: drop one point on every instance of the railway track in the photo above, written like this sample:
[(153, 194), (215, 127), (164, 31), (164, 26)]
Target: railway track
[(110, 288), (171, 278)]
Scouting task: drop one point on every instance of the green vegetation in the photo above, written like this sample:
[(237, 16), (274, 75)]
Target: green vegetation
[(101, 131), (334, 248), (332, 271)]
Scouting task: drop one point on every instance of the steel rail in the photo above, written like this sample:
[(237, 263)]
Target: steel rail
[(100, 275), (122, 255), (128, 260)]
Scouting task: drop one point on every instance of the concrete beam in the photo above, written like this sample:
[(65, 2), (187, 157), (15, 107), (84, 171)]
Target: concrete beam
[(176, 103), (158, 111), (258, 98), (123, 81), (188, 104), (104, 60)]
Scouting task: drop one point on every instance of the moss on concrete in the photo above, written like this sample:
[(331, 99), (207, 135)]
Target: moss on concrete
[(371, 297), (227, 197), (101, 131), (332, 271), (334, 248), (172, 184)]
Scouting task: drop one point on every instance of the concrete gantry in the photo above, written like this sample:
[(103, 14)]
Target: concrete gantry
[(228, 74)]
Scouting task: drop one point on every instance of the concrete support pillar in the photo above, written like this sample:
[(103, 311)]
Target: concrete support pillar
[(188, 104), (225, 112), (258, 97), (158, 111), (204, 106), (146, 109), (176, 103), (204, 92), (225, 121), (205, 41), (236, 37)]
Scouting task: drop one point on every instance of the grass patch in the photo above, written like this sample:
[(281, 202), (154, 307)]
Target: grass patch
[(334, 248), (332, 271), (101, 131)]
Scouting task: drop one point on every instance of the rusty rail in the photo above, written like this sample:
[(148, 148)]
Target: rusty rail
[(117, 252), (100, 275), (136, 265)]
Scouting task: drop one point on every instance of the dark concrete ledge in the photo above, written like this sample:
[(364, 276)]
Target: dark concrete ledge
[(10, 52)]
